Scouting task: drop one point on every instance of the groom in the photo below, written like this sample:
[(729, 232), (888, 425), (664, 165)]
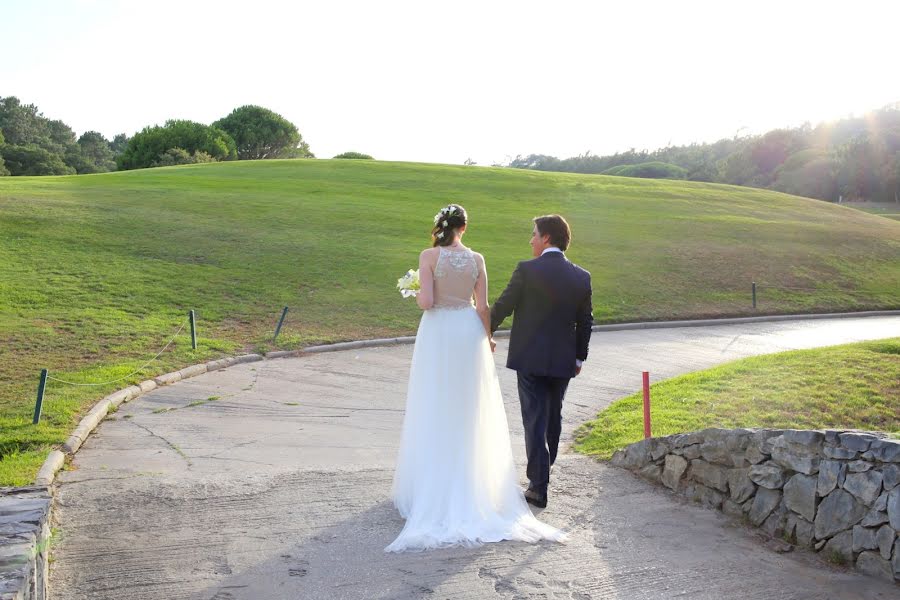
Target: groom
[(551, 299)]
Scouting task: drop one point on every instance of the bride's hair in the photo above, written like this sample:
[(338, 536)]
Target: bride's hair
[(455, 217)]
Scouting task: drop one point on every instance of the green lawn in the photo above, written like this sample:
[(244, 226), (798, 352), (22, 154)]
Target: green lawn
[(890, 210), (856, 386), (98, 271)]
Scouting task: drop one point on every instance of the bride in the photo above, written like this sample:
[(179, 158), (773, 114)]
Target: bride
[(455, 481)]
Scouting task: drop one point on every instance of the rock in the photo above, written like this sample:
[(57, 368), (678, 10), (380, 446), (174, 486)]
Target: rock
[(739, 460), (618, 459), (871, 563), (874, 518), (799, 529), (686, 439), (891, 475), (864, 539), (795, 457), (651, 472), (768, 475), (839, 453), (859, 466), (691, 452), (865, 486), (709, 475), (832, 437), (837, 512), (635, 455), (893, 508), (857, 441), (716, 452), (831, 475), (809, 439), (764, 438), (881, 503), (886, 450), (739, 484), (738, 440), (732, 509), (754, 456), (800, 495), (884, 539), (775, 522), (659, 447), (839, 549), (764, 503), (896, 562), (704, 495), (819, 545), (673, 470)]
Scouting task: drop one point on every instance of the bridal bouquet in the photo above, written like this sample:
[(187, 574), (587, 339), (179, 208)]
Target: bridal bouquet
[(409, 284)]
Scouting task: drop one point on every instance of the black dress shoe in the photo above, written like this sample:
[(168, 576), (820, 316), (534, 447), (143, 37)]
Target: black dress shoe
[(536, 498)]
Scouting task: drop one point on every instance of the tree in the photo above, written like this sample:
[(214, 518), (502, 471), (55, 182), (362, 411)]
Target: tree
[(148, 146), (118, 144), (260, 133), (22, 124), (30, 159), (94, 154), (354, 155), (3, 170), (649, 170)]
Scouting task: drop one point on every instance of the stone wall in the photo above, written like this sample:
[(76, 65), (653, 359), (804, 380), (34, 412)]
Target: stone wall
[(835, 492), (24, 539)]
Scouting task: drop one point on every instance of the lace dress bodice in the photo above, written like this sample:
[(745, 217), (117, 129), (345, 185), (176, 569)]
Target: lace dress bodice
[(455, 275)]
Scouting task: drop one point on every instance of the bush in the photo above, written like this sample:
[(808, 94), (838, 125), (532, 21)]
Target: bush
[(180, 156), (30, 159), (649, 170), (146, 149), (357, 155)]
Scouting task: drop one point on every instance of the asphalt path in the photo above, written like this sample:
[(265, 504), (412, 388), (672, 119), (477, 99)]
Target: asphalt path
[(272, 480)]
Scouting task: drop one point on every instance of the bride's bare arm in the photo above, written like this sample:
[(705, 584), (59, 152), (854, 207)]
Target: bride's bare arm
[(481, 305), (425, 298)]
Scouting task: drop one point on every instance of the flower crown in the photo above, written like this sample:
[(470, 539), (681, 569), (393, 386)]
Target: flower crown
[(444, 214)]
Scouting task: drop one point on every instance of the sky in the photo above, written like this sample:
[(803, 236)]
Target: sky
[(446, 81)]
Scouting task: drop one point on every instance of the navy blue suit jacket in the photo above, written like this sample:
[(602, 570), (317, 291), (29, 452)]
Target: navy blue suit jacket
[(551, 301)]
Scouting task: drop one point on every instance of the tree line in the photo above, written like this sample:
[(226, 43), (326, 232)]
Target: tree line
[(32, 144), (852, 158)]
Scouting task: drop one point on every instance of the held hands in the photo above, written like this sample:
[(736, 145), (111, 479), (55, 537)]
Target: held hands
[(577, 371)]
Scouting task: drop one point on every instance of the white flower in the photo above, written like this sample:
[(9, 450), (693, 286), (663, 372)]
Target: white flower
[(445, 223), (409, 285), (440, 235)]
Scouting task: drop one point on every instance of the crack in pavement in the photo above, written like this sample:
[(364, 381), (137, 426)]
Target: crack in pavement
[(174, 448)]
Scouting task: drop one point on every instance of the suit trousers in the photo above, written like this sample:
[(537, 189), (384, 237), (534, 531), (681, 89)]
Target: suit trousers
[(541, 401)]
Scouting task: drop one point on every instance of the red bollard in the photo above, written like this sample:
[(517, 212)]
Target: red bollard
[(646, 404)]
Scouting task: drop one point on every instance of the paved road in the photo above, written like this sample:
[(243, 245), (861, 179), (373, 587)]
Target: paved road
[(279, 488)]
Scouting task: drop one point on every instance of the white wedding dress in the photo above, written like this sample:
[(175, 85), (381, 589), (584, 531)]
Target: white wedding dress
[(455, 482)]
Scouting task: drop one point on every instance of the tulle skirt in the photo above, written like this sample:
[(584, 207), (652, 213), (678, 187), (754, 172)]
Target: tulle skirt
[(455, 481)]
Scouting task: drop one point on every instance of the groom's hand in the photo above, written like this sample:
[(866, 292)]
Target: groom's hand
[(577, 371), (493, 345)]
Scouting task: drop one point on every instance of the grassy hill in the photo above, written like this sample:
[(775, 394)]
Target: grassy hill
[(854, 386), (98, 271)]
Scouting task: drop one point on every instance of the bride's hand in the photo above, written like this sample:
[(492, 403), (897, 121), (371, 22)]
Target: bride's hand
[(493, 344)]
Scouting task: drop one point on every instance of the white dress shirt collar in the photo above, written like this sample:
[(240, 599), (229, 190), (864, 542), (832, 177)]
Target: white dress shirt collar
[(552, 249)]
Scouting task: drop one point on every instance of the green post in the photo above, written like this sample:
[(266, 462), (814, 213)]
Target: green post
[(40, 398), (754, 295), (280, 323), (193, 330)]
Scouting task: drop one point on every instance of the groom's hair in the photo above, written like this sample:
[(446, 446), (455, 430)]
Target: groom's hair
[(557, 228)]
